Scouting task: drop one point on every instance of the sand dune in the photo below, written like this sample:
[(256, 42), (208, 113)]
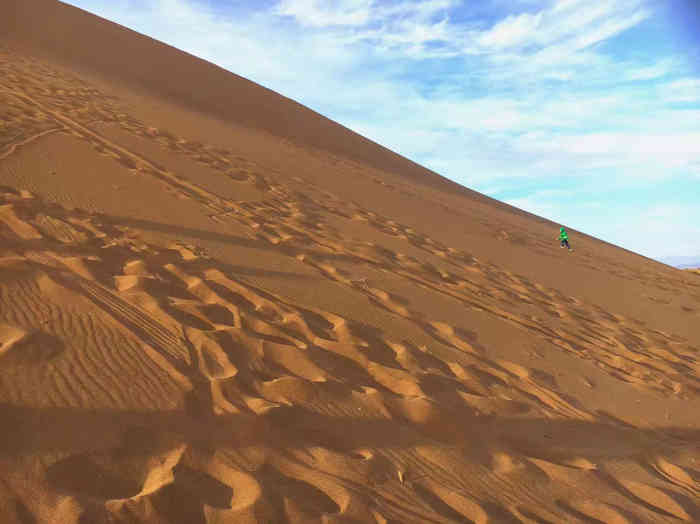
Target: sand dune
[(218, 306)]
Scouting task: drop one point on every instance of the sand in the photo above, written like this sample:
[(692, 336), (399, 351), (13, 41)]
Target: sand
[(218, 306)]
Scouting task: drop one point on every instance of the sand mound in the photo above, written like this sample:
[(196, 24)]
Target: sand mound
[(193, 330)]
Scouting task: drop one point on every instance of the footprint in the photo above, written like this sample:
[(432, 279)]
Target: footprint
[(595, 511), (10, 337), (295, 499), (654, 498), (21, 347), (675, 474), (22, 229), (213, 360), (450, 503)]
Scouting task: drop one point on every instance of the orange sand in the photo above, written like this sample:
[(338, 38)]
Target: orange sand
[(218, 306)]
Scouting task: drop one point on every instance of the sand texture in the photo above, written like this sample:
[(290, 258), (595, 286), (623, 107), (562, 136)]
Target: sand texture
[(217, 306)]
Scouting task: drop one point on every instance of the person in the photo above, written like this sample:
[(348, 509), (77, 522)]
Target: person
[(564, 238)]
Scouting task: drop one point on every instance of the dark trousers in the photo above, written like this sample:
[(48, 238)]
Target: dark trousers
[(565, 242)]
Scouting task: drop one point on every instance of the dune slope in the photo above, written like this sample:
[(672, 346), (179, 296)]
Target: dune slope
[(218, 306)]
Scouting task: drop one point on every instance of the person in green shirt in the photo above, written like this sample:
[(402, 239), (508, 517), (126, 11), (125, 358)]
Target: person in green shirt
[(564, 238)]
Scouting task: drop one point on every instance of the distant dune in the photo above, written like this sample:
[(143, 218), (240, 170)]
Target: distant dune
[(217, 306), (682, 262)]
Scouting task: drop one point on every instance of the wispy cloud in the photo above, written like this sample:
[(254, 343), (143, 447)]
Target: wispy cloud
[(662, 68), (554, 36), (323, 14), (682, 90)]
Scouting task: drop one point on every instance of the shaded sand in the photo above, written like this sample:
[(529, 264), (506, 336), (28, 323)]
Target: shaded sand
[(242, 312)]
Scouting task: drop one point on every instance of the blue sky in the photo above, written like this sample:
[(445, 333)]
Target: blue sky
[(584, 112)]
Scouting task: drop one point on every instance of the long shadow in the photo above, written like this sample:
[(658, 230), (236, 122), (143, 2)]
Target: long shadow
[(88, 248), (252, 272), (177, 230), (39, 430), (226, 238), (172, 229), (98, 443)]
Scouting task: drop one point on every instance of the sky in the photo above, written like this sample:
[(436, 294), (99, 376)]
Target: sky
[(584, 112)]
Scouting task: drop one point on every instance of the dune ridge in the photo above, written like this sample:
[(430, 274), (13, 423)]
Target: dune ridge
[(203, 322)]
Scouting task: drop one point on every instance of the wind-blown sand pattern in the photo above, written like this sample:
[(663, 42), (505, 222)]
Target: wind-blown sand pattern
[(202, 320)]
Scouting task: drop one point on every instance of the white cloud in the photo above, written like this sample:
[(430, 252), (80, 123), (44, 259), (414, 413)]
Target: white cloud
[(559, 75), (566, 25), (320, 14), (660, 69), (551, 35), (653, 227), (407, 25), (620, 143), (323, 13), (511, 32), (548, 210), (682, 90)]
